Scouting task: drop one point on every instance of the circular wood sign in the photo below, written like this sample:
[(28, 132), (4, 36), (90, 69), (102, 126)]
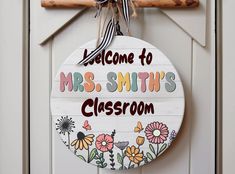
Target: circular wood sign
[(121, 110)]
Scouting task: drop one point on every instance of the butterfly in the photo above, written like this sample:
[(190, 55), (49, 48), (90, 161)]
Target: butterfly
[(86, 125), (139, 127), (162, 74)]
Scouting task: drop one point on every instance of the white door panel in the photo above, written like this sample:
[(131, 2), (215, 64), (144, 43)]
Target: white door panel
[(40, 125), (202, 113), (48, 21), (192, 152), (192, 21)]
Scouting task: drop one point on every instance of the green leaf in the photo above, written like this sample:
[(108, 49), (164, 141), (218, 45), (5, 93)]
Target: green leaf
[(151, 148), (81, 157), (92, 154), (119, 158), (98, 162), (149, 156), (163, 147), (145, 160), (105, 165)]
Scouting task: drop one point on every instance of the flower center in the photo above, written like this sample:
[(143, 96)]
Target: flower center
[(104, 143), (133, 154), (65, 125), (156, 133), (80, 136)]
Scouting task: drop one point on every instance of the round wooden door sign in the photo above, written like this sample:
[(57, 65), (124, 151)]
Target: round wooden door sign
[(121, 110)]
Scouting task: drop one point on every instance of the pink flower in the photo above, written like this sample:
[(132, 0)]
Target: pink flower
[(104, 142), (156, 132)]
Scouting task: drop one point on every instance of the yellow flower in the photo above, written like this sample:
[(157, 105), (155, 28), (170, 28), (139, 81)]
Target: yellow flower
[(82, 141), (140, 140), (134, 154)]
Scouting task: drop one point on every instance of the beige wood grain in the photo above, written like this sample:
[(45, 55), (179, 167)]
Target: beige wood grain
[(138, 3)]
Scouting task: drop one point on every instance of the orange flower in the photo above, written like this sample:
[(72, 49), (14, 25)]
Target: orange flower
[(140, 140), (134, 154), (83, 141)]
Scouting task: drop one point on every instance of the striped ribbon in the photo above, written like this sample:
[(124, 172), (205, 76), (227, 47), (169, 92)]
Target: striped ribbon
[(109, 31), (107, 39), (126, 12)]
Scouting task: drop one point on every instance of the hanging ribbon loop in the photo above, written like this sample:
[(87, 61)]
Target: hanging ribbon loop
[(111, 28), (108, 37)]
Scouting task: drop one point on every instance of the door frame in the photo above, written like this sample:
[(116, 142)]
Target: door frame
[(218, 88), (26, 87), (14, 61)]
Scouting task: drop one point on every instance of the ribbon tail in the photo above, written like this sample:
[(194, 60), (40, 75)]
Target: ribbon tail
[(126, 12), (106, 41)]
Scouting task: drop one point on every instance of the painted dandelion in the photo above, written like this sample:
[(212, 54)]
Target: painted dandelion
[(65, 125)]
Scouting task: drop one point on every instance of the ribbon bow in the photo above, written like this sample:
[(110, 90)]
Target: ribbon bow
[(111, 28)]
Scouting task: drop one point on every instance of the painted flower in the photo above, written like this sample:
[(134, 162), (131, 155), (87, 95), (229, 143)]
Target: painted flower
[(140, 140), (156, 132), (104, 142), (121, 144), (134, 155), (83, 141), (172, 136), (65, 125)]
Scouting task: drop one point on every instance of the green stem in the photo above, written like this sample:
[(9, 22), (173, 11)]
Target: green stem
[(129, 166), (139, 162), (68, 140), (102, 158), (123, 159), (157, 150), (88, 156)]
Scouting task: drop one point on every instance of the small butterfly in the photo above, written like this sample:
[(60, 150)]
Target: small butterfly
[(139, 127), (162, 74), (86, 125)]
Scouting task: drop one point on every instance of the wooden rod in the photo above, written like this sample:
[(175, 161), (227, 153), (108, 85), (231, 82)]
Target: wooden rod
[(138, 3)]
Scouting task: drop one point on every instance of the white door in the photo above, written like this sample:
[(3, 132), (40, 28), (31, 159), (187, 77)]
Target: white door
[(185, 36)]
